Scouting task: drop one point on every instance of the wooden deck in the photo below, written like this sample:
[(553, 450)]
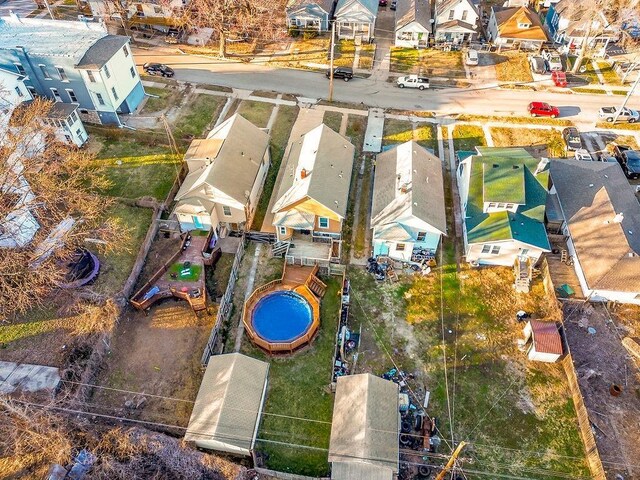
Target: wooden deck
[(294, 275)]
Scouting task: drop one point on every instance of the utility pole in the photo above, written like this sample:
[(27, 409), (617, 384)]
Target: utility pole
[(626, 99), (451, 461), (333, 36)]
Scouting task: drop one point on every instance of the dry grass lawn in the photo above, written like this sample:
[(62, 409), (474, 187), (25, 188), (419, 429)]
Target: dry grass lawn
[(511, 67), (467, 137), (427, 62), (540, 142)]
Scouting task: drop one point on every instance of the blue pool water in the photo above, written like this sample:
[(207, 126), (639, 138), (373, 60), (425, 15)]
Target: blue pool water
[(281, 316)]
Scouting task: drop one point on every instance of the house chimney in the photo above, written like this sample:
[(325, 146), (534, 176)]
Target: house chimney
[(618, 218), (303, 173)]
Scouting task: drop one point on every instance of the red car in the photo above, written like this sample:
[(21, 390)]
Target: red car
[(543, 109), (559, 78)]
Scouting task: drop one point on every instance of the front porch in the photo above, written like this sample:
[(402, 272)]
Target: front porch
[(309, 249)]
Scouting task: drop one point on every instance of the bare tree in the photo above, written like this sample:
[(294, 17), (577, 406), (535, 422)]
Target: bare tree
[(258, 19), (46, 187), (594, 17)]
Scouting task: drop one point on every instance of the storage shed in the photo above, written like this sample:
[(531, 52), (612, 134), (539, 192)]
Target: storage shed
[(542, 341), (227, 410), (364, 431)]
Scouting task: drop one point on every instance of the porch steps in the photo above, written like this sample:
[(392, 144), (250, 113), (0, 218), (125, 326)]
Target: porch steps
[(523, 270), (280, 249), (317, 286)]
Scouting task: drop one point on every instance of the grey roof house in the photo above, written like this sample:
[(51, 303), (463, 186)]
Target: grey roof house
[(413, 23), (73, 62), (310, 14), (226, 174), (601, 220)]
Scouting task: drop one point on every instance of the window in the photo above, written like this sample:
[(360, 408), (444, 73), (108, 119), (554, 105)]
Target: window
[(32, 91), (125, 50), (400, 247), (56, 94), (100, 99), (451, 14), (73, 117), (283, 230), (45, 72), (19, 92), (20, 69), (486, 248), (323, 222), (524, 251), (107, 72), (133, 72), (524, 25), (157, 10), (226, 211), (62, 74), (421, 236), (115, 94), (509, 206), (72, 95), (464, 15), (92, 79), (495, 250)]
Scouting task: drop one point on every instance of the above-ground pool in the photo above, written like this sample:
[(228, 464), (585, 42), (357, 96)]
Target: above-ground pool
[(282, 316)]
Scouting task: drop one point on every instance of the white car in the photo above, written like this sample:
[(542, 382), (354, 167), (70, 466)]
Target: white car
[(623, 114), (471, 57), (553, 60), (583, 154)]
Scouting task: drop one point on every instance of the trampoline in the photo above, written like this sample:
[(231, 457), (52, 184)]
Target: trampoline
[(281, 316), (281, 320)]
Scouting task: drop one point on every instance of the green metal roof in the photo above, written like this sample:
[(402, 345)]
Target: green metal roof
[(511, 181)]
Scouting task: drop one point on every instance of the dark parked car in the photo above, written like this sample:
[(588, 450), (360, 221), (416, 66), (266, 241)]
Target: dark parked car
[(542, 109), (629, 160), (537, 65), (572, 139), (158, 69), (393, 5), (346, 73)]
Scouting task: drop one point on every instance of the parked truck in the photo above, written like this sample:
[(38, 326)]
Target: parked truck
[(413, 81), (623, 114)]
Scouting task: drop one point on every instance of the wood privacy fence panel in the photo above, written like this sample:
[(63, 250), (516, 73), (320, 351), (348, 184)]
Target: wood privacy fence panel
[(589, 441), (224, 309)]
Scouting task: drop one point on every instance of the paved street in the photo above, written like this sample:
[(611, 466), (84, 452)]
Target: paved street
[(479, 101)]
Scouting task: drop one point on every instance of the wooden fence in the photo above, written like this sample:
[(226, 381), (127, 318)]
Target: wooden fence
[(224, 309), (589, 441)]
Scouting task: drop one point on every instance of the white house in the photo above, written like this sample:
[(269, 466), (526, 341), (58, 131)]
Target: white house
[(602, 225), (13, 91), (310, 14), (516, 26), (413, 23), (226, 174), (356, 18), (408, 215), (503, 194), (542, 341), (456, 21)]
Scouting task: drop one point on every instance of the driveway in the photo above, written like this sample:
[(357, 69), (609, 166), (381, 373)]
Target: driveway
[(21, 7), (385, 26)]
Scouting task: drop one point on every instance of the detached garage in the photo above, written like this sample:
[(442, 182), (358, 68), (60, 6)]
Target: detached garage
[(229, 404)]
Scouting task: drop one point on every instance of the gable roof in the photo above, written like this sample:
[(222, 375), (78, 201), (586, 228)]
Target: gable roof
[(408, 11), (364, 428), (102, 51), (228, 160), (445, 5), (229, 402), (408, 183), (603, 217), (510, 179), (546, 337), (508, 19), (457, 26), (326, 5), (318, 167), (370, 5)]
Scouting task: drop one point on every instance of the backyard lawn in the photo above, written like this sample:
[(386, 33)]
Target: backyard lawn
[(279, 136), (166, 97), (550, 139), (256, 112), (298, 388), (467, 137)]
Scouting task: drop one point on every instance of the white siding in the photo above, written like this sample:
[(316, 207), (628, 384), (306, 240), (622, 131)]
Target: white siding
[(415, 29)]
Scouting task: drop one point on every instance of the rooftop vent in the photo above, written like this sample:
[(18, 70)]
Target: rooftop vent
[(618, 218), (495, 165), (303, 173), (515, 167)]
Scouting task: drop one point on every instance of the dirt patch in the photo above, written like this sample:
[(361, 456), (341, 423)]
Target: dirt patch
[(601, 361)]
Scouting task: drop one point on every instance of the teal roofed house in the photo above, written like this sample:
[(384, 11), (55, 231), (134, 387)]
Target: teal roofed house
[(503, 192)]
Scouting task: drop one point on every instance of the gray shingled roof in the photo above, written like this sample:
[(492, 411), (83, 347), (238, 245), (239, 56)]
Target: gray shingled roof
[(408, 11), (424, 197), (591, 194), (102, 51)]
